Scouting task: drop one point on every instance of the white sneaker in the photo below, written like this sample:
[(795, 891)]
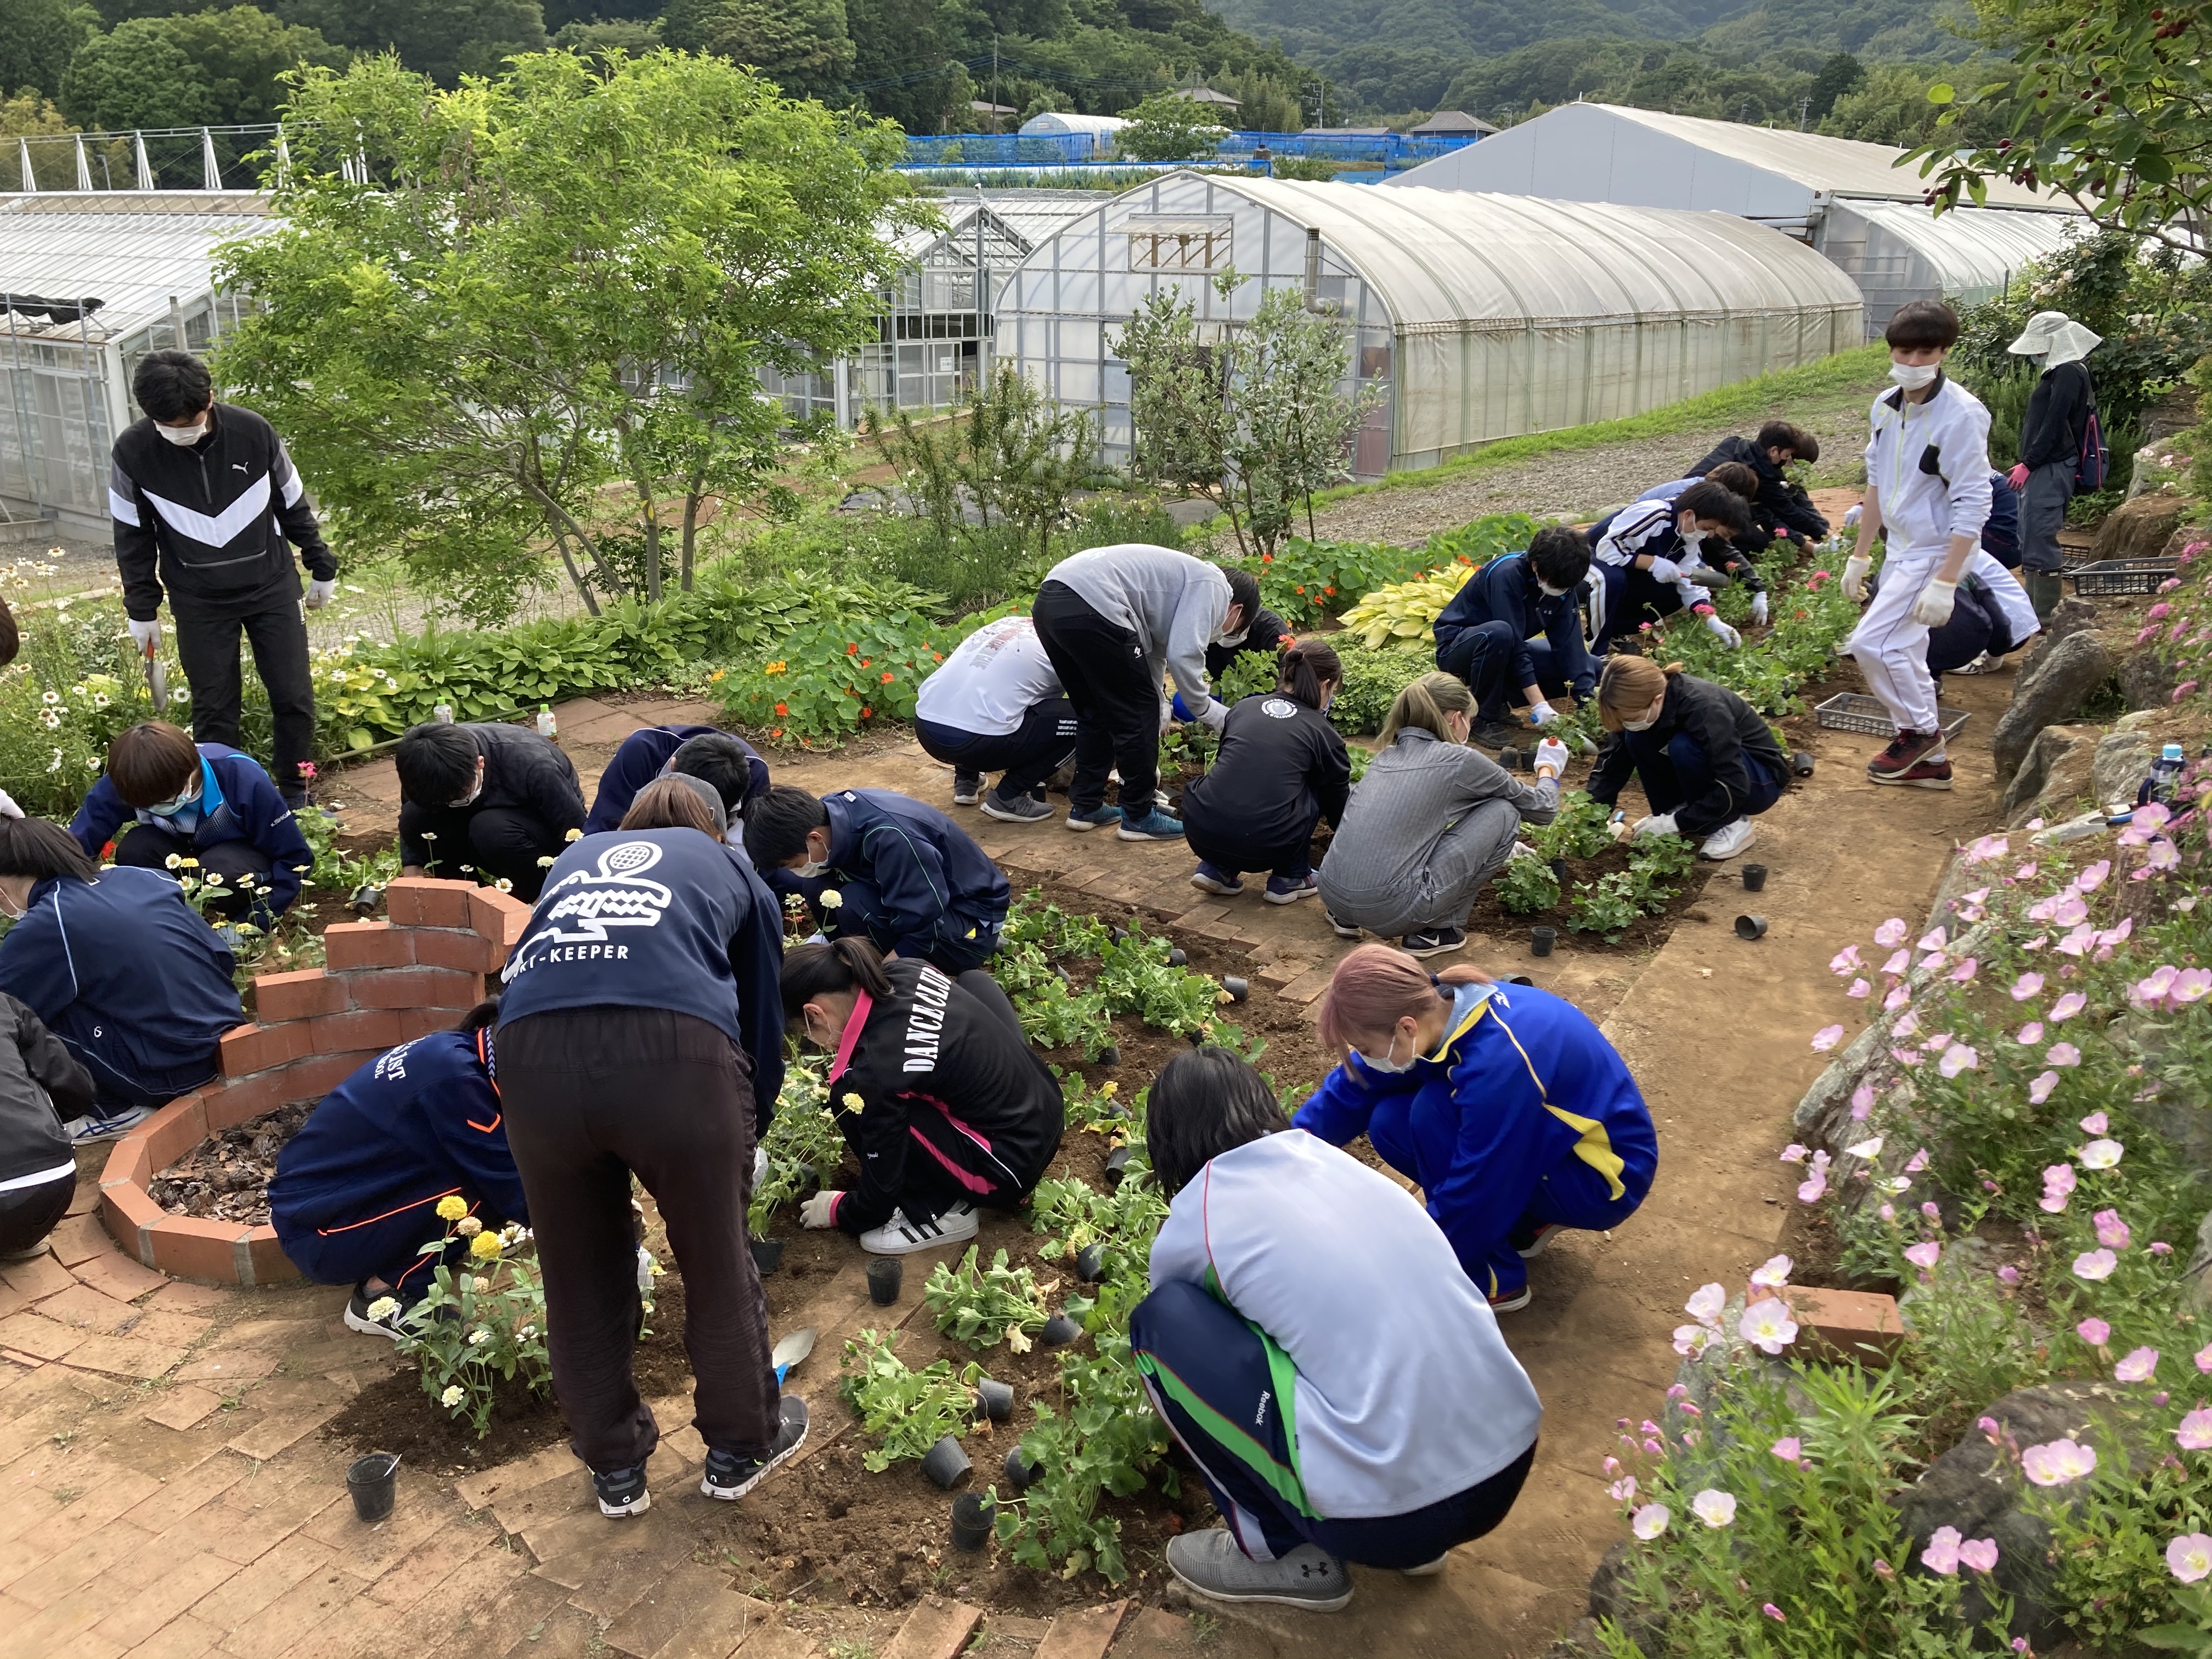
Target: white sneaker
[(91, 1130), (899, 1237), (1729, 840)]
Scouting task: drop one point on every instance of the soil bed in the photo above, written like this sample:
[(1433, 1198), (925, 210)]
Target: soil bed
[(226, 1177)]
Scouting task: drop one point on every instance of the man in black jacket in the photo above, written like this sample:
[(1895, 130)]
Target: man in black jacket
[(2050, 436), (495, 802), (206, 504), (1780, 507)]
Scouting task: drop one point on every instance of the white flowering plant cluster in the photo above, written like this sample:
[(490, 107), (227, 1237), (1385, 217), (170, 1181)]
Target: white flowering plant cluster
[(77, 682), (480, 1328)]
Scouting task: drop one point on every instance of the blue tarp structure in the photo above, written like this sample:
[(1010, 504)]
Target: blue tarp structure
[(1393, 150)]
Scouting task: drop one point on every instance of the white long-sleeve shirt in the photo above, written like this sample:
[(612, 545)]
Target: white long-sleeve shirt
[(1174, 604), (1928, 465), (1651, 527), (991, 682)]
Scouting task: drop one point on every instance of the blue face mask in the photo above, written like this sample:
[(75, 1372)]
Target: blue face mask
[(177, 803)]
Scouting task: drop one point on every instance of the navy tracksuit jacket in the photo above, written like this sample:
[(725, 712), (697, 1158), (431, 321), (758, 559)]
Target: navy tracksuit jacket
[(248, 809), (1505, 591), (909, 879), (640, 761)]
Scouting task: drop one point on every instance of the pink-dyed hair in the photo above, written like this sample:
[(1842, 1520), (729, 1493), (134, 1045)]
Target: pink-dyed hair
[(1373, 988)]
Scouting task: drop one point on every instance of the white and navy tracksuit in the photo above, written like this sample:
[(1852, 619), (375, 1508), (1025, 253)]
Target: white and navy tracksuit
[(1623, 597), (1311, 1341), (1928, 466), (42, 1084), (954, 1105), (995, 705), (357, 1189)]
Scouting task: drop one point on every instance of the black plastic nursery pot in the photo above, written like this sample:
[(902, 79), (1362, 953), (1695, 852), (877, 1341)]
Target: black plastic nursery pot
[(365, 899), (1110, 1054), (1117, 1165), (373, 1483), (1559, 873), (1020, 1472), (885, 1274), (1751, 927), (996, 1399), (768, 1254), (1059, 1331), (1239, 989), (947, 1462), (1801, 763), (1178, 957), (972, 1518), (1754, 878), (1509, 759), (1091, 1263), (1541, 940)]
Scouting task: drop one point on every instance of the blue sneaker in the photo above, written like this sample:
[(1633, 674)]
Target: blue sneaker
[(1286, 890), (1154, 825), (1097, 818), (1211, 879)]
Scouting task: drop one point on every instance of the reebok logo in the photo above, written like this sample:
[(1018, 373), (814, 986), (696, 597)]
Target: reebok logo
[(1260, 1416)]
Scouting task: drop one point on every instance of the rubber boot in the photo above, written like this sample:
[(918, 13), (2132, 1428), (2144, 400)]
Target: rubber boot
[(2044, 592)]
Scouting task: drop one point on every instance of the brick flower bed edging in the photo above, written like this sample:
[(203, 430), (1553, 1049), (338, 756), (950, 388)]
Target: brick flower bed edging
[(386, 982)]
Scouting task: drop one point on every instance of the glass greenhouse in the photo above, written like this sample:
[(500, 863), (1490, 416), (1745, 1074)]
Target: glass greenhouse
[(1484, 316)]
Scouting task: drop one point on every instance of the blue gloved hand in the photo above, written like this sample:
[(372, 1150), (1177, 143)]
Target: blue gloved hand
[(1179, 708)]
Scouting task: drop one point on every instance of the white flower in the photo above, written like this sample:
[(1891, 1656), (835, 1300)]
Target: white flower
[(383, 1307), (1774, 1274), (479, 1336), (1767, 1326), (1651, 1520), (1713, 1507), (454, 1395), (1871, 1147), (831, 898), (2101, 1154), (1704, 1305)]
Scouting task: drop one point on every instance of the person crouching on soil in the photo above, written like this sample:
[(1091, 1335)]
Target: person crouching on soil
[(1312, 1345), (204, 806), (934, 1087), (412, 1140), (1430, 823), (486, 802), (1707, 762), (1282, 769), (1514, 629), (995, 705), (1502, 1103), (119, 967), (906, 879), (42, 1085), (739, 774), (642, 1031)]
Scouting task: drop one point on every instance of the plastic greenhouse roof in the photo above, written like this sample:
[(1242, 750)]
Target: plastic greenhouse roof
[(1972, 247), (1448, 260), (133, 249), (1056, 121)]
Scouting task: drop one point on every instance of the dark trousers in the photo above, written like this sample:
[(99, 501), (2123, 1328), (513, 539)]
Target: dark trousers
[(1028, 755), (150, 847), (1110, 681), (485, 843), (1203, 1366), (1632, 597), (27, 1214), (947, 1167), (1484, 657), (387, 1246), (963, 941), (1234, 855), (592, 1095), (1678, 771), (207, 647), (1571, 1194)]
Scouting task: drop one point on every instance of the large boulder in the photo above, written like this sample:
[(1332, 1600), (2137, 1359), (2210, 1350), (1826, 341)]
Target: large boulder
[(2198, 1278), (2123, 757), (2071, 615), (2050, 691), (2054, 775), (2146, 679), (2138, 529)]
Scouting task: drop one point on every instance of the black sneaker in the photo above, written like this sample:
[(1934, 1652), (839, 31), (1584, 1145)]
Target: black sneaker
[(1432, 941), (1531, 1242), (966, 787), (729, 1477), (1493, 734), (375, 1316), (621, 1493)]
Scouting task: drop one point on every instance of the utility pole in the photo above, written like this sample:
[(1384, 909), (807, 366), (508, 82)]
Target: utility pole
[(1804, 113), (994, 85)]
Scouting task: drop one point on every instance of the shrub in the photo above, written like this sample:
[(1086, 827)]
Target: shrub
[(1372, 681), (1526, 886)]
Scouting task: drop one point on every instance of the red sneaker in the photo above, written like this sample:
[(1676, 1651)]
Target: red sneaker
[(1912, 755)]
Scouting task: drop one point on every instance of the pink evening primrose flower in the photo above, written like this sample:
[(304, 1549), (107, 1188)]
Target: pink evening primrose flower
[(1790, 1449), (2026, 987), (1691, 1340), (1891, 933), (1978, 1553), (2094, 878), (2096, 1124), (1898, 961), (2137, 1366), (2040, 1090), (2067, 1006), (1844, 960), (1871, 1147), (1907, 1026), (1862, 1101), (2030, 1034), (1767, 1326), (2191, 985), (1898, 997), (1706, 1304), (1942, 1554), (2150, 991), (1651, 1520), (1858, 988), (1794, 1153), (1773, 1272), (1965, 971), (1956, 1058), (2102, 1154), (1811, 1190), (2111, 1232), (1923, 1255), (2189, 1557), (2095, 1265), (1773, 1613), (2057, 1463), (2094, 1332), (2193, 1433), (1917, 1162), (1826, 1038), (2063, 1054), (1715, 1508), (1623, 1491), (1933, 939), (2007, 1275)]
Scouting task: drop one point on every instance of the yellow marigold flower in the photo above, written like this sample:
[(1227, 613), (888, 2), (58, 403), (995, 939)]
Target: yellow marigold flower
[(853, 1101), (452, 1207), (484, 1246)]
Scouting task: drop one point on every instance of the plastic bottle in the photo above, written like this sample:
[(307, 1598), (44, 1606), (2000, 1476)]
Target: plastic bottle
[(2165, 778), (546, 727), (443, 713)]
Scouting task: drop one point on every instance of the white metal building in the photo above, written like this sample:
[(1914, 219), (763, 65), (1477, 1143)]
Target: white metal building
[(1848, 199), (1485, 315), (147, 257)]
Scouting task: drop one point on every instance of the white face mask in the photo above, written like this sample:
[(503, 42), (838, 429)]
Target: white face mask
[(1650, 718), (1232, 640), (1913, 376), (177, 803), (812, 868), (1389, 1062), (1550, 592), (1694, 538), (183, 436)]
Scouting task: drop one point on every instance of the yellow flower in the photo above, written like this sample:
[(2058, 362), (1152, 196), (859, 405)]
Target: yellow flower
[(452, 1207), (1109, 1088), (773, 668), (715, 677), (484, 1246), (853, 1101)]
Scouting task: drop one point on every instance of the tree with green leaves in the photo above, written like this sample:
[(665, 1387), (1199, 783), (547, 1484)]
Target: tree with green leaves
[(803, 45), (1166, 128), (444, 39), (2109, 111), (530, 316), (38, 37)]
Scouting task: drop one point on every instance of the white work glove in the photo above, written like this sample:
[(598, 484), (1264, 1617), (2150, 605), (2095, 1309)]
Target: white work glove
[(319, 593), (1214, 715), (146, 635), (1552, 753), (819, 1211), (1931, 606), (760, 1165), (1661, 824), (1721, 631), (644, 1271), (1542, 715), (1759, 610), (1665, 570), (1855, 575), (8, 807)]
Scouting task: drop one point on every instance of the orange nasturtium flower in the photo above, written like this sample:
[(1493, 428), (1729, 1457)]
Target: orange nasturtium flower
[(781, 709), (867, 713), (887, 677), (852, 650)]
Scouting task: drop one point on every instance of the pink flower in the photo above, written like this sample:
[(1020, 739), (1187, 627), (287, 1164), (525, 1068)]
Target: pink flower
[(1794, 1153), (1897, 962), (2067, 1006), (1862, 1101), (1965, 971), (2137, 1366), (1717, 1509), (1956, 1058), (1858, 988), (2007, 1275), (2070, 912), (2183, 690), (2057, 1463), (2094, 1332), (1773, 1272), (1942, 1554), (2190, 984), (2095, 1265), (2189, 1557), (1789, 1449), (2102, 1154), (1689, 1341), (1890, 932), (1767, 1326), (2150, 991), (2030, 1034), (2040, 1090), (1826, 1038), (2159, 1247), (1932, 1210), (1844, 960), (1898, 997), (1623, 1491), (1772, 1612), (2026, 987), (1924, 1256), (1705, 1306), (1917, 1162), (2094, 878), (2111, 1232), (1933, 939), (2194, 1432), (2159, 612), (1810, 1191), (1978, 1553), (1651, 1520), (1987, 848), (2096, 1124), (2060, 1053)]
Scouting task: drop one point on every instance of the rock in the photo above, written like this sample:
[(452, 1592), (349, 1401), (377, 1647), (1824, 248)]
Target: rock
[(2057, 770), (2199, 1275), (2117, 772), (1582, 1641), (1610, 1598), (2070, 615), (2146, 679), (2062, 680), (2138, 529)]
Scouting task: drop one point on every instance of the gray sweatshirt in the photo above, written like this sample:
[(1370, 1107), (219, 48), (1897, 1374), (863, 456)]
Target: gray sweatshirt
[(1174, 604), (1413, 791)]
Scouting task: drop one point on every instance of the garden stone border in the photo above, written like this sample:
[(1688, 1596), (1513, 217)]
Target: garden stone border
[(386, 982)]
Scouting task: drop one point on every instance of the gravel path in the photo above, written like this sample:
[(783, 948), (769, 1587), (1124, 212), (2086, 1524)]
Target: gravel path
[(1579, 484)]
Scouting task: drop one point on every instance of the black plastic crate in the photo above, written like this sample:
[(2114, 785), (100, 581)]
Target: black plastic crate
[(2109, 576)]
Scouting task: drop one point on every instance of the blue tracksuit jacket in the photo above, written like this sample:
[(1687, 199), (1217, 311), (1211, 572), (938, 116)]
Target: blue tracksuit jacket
[(638, 763), (1505, 590), (928, 884), (356, 1190), (245, 807), (1525, 1108), (135, 984)]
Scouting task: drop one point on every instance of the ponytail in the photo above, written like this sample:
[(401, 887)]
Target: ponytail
[(1305, 669), (824, 969), (1425, 703)]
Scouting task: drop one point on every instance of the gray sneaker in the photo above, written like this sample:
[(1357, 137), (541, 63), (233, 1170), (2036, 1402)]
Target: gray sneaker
[(1211, 1564), (1022, 809)]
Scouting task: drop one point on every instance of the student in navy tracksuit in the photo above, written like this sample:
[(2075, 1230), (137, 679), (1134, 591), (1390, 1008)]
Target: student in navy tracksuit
[(357, 1189), (906, 878), (1281, 771), (119, 967), (1505, 1104), (1515, 629), (954, 1111), (641, 1032), (206, 802), (728, 762)]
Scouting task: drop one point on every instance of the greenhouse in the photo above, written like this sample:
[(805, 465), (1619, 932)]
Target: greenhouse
[(1482, 316), (97, 280), (1850, 200)]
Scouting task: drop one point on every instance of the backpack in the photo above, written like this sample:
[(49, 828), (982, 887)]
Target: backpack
[(2091, 465)]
